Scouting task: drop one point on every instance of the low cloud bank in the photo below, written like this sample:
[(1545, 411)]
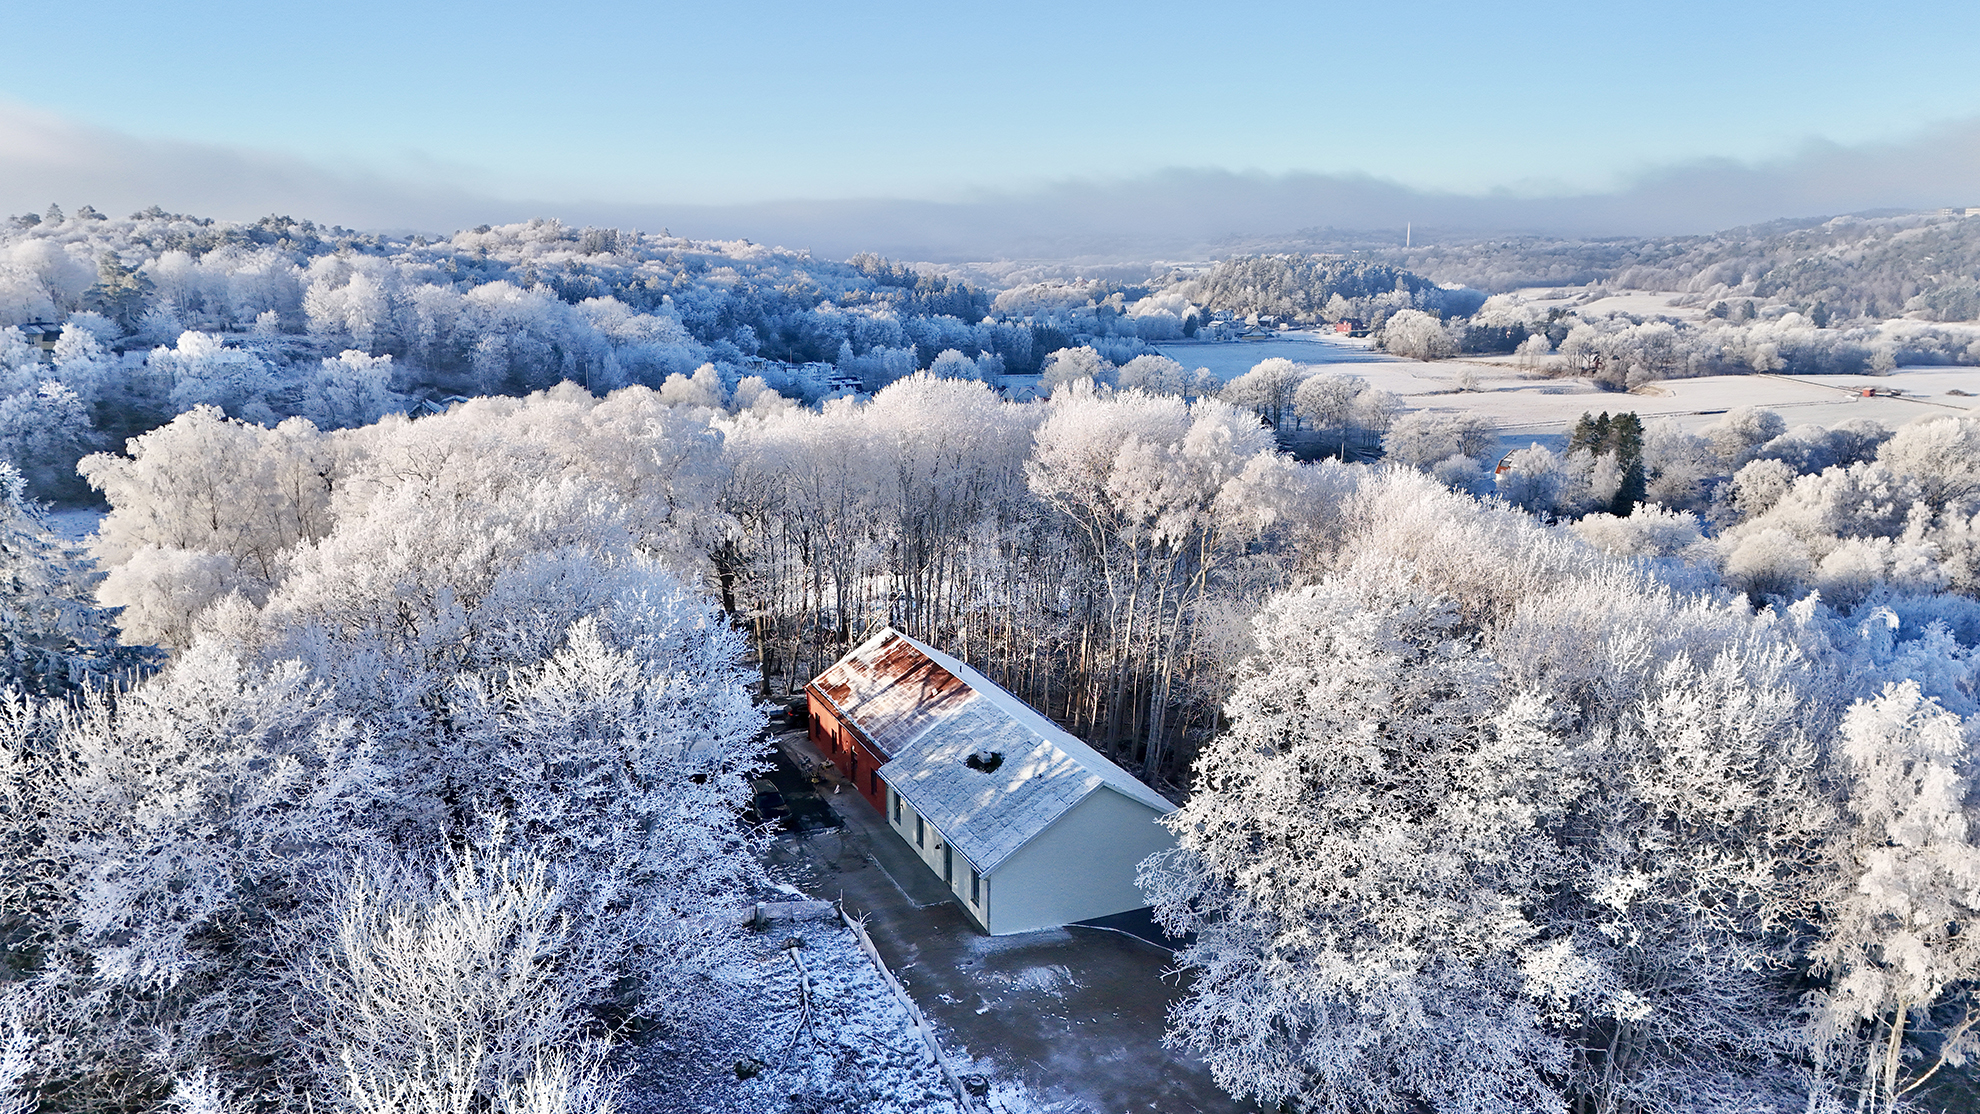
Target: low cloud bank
[(1175, 213)]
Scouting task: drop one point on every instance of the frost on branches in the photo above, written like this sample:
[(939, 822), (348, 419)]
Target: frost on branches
[(456, 721), (53, 636), (1471, 845), (1358, 864)]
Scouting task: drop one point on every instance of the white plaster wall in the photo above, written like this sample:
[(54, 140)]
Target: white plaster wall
[(1081, 867), (931, 854)]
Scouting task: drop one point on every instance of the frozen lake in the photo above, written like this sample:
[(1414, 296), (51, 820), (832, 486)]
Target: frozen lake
[(1229, 359)]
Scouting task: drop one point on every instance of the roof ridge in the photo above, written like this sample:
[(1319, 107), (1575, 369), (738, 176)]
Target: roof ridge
[(1041, 725)]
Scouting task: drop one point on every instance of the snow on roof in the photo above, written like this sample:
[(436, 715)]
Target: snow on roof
[(985, 814), (891, 691)]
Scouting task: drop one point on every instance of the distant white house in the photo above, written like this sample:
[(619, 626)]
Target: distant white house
[(1030, 827)]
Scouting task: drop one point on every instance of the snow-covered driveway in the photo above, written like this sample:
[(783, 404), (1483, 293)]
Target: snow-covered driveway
[(1063, 1020)]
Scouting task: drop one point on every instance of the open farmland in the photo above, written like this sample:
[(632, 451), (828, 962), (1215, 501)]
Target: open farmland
[(1527, 406)]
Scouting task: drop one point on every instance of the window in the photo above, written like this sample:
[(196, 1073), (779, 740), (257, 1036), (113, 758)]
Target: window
[(975, 887), (948, 865), (897, 807), (855, 770), (873, 783), (920, 832)]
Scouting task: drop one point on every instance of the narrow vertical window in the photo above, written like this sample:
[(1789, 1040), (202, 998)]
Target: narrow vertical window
[(897, 805), (920, 832), (948, 865), (975, 887), (873, 783)]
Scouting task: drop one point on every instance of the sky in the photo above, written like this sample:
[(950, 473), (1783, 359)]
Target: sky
[(998, 127)]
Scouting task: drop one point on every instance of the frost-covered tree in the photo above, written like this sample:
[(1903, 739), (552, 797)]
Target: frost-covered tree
[(1268, 389), (1359, 864), (194, 824), (1416, 335), (1327, 401), (1157, 375), (449, 989), (181, 824), (53, 635), (1899, 949), (1142, 479), (1424, 437), (352, 389), (1069, 365), (44, 431), (210, 486), (1941, 455)]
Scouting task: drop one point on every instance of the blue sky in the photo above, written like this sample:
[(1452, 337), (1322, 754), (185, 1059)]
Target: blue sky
[(760, 101)]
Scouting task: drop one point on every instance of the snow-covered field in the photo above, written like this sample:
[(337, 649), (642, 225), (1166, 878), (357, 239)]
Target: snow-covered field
[(1548, 407), (1525, 405), (857, 1053)]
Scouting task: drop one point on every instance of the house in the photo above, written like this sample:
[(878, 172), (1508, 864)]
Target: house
[(1029, 827), (43, 335), (427, 407)]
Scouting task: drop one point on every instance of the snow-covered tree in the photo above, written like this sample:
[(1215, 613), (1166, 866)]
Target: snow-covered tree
[(448, 989), (352, 389), (1069, 365), (1359, 863), (1899, 949), (1424, 437), (53, 636), (1416, 335), (1268, 389)]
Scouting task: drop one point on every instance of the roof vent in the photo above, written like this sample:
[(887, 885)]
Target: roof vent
[(987, 762)]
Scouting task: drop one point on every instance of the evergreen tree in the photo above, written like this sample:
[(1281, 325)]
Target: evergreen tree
[(53, 637), (119, 291), (1583, 435), (1626, 441)]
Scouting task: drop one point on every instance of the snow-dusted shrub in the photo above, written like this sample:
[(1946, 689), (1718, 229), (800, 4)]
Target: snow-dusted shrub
[(1649, 531)]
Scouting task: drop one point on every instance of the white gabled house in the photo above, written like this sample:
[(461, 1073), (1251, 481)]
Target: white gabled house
[(1030, 827)]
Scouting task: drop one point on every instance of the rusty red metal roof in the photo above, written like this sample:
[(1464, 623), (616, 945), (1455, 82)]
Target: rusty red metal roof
[(891, 691)]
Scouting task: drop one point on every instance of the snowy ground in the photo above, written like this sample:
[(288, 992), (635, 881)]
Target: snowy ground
[(858, 1053), (1546, 408), (1527, 406), (74, 523)]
